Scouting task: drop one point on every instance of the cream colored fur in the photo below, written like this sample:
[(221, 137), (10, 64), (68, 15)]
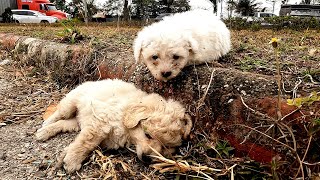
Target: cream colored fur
[(115, 114), (193, 37)]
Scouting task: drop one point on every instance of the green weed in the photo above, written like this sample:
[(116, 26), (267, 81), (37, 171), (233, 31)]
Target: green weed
[(249, 63), (299, 102), (224, 149), (71, 33)]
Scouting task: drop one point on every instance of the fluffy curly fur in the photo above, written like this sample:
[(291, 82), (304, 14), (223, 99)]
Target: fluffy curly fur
[(193, 37), (115, 114)]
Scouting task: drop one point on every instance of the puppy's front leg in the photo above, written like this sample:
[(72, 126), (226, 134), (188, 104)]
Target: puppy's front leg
[(53, 129), (66, 109), (88, 139)]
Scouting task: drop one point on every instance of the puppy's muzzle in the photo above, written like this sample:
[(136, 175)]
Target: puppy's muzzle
[(145, 158), (166, 74)]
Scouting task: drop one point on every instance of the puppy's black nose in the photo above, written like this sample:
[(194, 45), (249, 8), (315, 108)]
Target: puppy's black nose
[(146, 159), (166, 74)]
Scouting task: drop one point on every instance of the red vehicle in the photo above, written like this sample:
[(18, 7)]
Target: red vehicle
[(43, 6)]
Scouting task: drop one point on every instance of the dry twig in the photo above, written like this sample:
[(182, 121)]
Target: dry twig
[(168, 165)]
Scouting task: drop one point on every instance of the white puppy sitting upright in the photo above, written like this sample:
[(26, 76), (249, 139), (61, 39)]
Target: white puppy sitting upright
[(193, 37)]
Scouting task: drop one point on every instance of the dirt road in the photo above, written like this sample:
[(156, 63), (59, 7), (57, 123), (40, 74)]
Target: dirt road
[(23, 100)]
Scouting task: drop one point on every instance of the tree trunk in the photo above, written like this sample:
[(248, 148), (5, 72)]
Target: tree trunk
[(125, 11), (215, 6), (85, 6), (168, 4)]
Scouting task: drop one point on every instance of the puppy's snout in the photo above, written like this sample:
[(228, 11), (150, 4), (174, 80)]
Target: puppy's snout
[(166, 74), (145, 158), (142, 156)]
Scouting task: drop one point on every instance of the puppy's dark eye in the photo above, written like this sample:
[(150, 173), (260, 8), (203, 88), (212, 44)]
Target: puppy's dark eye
[(155, 57), (176, 57), (148, 136)]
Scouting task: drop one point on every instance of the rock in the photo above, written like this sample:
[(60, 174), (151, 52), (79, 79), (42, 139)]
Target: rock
[(2, 155), (5, 62)]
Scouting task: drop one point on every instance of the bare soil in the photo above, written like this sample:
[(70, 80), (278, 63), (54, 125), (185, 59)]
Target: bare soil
[(23, 100)]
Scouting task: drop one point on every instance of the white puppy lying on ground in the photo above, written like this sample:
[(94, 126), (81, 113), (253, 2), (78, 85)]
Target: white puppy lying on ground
[(193, 37), (114, 114)]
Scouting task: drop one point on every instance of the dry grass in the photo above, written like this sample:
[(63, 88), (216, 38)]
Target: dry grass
[(26, 97), (299, 51)]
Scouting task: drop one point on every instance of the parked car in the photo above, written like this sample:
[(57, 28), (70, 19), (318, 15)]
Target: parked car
[(30, 16), (259, 16)]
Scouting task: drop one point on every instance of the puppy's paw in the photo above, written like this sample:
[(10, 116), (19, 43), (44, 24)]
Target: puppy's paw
[(71, 163), (42, 134), (70, 168), (47, 122)]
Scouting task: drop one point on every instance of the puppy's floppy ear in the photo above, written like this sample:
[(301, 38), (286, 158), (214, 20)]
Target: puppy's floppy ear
[(188, 125), (137, 48), (133, 114)]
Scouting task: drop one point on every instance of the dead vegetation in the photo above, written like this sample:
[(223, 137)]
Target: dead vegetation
[(29, 97), (203, 156)]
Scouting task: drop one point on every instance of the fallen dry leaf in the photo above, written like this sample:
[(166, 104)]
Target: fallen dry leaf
[(312, 52), (18, 74), (27, 161), (49, 111)]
